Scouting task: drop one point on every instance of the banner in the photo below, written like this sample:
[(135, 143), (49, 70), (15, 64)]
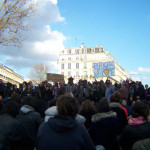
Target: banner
[(104, 69), (55, 77)]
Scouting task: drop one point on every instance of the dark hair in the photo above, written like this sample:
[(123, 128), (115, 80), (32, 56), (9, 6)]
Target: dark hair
[(140, 109), (29, 100), (88, 105), (25, 83), (67, 106), (103, 105), (16, 98), (10, 108), (116, 97), (52, 103)]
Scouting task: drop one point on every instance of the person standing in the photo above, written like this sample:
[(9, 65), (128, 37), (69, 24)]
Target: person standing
[(63, 131), (109, 90)]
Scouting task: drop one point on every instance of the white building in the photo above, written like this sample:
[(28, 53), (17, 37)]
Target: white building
[(8, 75), (79, 64)]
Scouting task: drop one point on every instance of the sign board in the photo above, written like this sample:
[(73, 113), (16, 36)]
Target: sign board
[(104, 69), (55, 77)]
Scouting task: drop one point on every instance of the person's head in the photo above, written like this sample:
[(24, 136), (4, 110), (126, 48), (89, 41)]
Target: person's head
[(29, 100), (70, 80), (80, 82), (108, 83), (87, 105), (140, 109), (29, 86), (84, 82), (140, 83), (123, 102), (31, 83), (52, 103), (55, 87), (1, 81), (146, 86), (116, 97), (103, 105), (25, 84), (16, 98), (67, 106), (127, 80), (10, 108)]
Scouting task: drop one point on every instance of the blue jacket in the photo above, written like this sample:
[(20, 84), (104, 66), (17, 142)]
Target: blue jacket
[(63, 133)]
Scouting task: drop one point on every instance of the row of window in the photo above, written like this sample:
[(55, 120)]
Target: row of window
[(77, 51), (77, 58), (69, 66), (77, 74)]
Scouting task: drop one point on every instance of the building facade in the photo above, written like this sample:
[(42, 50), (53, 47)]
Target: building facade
[(79, 64), (8, 75)]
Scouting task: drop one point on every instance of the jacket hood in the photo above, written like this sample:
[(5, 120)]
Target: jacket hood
[(62, 123), (99, 116), (52, 111), (115, 104), (26, 108), (81, 119)]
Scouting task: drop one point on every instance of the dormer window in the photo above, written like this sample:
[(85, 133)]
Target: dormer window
[(69, 51), (100, 50), (77, 51), (93, 50)]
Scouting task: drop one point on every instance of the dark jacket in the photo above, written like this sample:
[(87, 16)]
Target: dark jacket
[(31, 121), (63, 133), (142, 145), (13, 135), (116, 107), (134, 133), (88, 115), (104, 130)]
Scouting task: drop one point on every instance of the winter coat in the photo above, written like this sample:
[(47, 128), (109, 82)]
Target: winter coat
[(109, 91), (134, 133), (104, 130), (116, 107), (63, 133), (31, 121), (13, 134), (88, 115), (86, 91), (142, 145), (52, 111)]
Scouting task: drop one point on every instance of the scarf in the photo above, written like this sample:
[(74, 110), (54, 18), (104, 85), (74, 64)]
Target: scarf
[(137, 121)]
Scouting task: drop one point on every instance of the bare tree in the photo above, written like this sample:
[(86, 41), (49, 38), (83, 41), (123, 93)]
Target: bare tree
[(12, 20), (38, 72)]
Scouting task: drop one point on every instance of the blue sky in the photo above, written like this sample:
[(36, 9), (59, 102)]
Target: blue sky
[(122, 27)]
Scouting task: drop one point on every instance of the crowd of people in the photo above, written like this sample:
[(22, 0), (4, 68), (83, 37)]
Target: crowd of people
[(83, 116)]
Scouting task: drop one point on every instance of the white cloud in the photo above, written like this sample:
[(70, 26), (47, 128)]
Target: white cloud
[(143, 69), (41, 43), (133, 73)]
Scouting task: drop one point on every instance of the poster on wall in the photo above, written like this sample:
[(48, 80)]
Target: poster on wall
[(104, 69)]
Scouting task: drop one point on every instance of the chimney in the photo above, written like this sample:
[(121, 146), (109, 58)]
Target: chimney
[(82, 45)]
